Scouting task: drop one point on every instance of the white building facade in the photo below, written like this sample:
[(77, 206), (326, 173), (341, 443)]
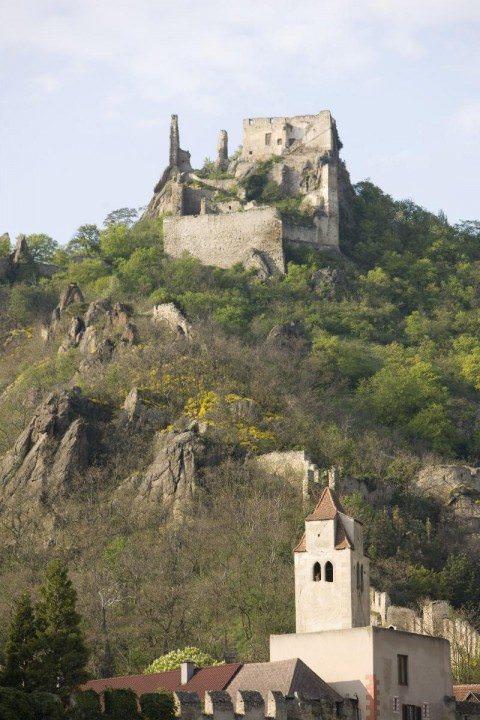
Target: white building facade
[(393, 675)]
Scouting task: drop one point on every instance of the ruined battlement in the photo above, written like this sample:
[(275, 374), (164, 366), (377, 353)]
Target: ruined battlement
[(264, 137), (302, 154)]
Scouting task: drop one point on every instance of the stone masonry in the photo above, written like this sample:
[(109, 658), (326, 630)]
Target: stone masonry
[(211, 217)]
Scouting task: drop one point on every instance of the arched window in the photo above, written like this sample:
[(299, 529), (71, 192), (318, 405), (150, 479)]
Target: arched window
[(317, 572), (328, 572)]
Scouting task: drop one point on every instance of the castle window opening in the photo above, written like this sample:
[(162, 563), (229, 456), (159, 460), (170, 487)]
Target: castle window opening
[(317, 572), (279, 141), (328, 572), (268, 138), (358, 575), (361, 578), (402, 661)]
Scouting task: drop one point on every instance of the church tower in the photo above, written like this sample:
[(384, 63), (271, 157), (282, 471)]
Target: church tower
[(332, 580)]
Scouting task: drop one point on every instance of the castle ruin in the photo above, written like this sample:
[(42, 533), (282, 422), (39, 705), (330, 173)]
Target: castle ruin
[(285, 187)]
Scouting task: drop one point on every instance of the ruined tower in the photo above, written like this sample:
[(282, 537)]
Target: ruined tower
[(222, 150), (179, 160), (331, 572)]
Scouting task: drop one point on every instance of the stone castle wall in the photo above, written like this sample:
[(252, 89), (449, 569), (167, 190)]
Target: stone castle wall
[(264, 137), (436, 618), (250, 705), (229, 238)]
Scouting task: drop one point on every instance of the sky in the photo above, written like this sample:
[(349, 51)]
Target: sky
[(88, 87)]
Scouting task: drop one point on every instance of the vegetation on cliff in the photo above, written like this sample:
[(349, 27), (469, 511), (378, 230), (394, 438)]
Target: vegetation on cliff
[(380, 377)]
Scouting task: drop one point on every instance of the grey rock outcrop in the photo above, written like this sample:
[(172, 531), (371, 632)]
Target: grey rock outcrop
[(170, 316), (327, 282), (283, 336), (45, 457), (139, 414), (171, 479)]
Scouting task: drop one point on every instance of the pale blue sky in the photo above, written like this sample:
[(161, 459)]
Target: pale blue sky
[(88, 86)]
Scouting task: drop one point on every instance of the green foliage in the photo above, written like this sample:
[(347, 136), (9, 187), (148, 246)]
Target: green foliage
[(173, 660), (157, 706), (123, 216), (5, 245), (121, 704), (21, 649), (86, 241), (64, 652), (42, 248), (30, 303), (46, 706), (86, 706), (15, 705)]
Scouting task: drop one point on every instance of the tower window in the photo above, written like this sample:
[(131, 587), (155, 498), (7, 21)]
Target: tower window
[(402, 669), (317, 572), (268, 138), (329, 572)]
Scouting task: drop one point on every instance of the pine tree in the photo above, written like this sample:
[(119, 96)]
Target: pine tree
[(64, 653), (21, 647)]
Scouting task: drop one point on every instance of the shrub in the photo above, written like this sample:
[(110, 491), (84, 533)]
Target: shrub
[(157, 706), (121, 704), (29, 303), (86, 706), (15, 705), (46, 706)]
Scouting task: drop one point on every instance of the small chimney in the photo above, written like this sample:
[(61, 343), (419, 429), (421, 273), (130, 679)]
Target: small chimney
[(187, 670), (230, 655)]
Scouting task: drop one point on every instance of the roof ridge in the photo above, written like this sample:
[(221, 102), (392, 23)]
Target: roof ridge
[(327, 507)]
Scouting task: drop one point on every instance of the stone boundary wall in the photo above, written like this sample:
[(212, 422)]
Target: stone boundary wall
[(229, 238), (437, 618), (250, 705)]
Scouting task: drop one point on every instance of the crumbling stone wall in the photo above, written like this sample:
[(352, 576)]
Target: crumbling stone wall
[(436, 618), (229, 238)]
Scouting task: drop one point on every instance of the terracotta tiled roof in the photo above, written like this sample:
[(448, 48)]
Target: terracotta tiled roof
[(287, 676), (209, 678), (302, 545), (461, 691), (327, 507), (341, 538), (139, 683)]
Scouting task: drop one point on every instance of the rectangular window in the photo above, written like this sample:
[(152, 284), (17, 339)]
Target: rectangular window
[(279, 141), (411, 712), (396, 704), (402, 669), (268, 138)]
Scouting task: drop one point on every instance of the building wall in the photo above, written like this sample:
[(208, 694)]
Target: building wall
[(363, 662), (343, 658), (316, 131), (429, 673), (228, 238)]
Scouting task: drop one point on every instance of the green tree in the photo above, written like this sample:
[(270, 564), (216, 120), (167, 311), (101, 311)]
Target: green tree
[(5, 246), (86, 241), (123, 216), (21, 647), (173, 660), (64, 653), (42, 247)]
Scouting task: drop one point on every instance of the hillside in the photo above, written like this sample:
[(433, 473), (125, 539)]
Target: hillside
[(128, 436)]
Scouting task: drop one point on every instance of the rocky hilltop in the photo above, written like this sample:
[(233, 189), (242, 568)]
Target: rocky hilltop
[(165, 423)]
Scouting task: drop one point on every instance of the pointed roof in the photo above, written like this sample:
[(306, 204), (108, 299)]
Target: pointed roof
[(302, 545), (287, 676), (327, 507)]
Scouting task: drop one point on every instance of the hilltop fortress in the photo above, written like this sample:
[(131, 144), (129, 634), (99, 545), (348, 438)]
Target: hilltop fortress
[(285, 186)]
